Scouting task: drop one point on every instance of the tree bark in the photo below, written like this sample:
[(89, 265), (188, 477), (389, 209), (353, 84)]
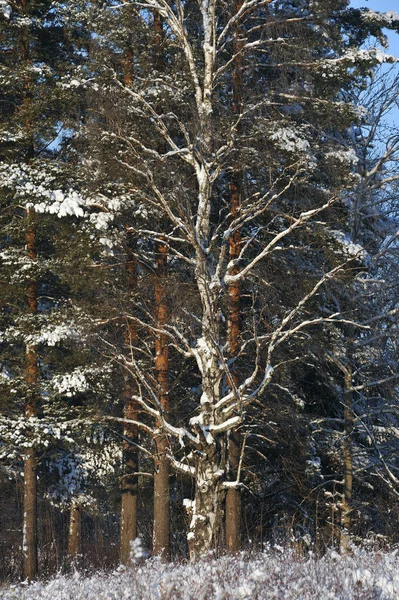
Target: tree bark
[(128, 531), (346, 509), (210, 458), (129, 479), (161, 477), (130, 433), (29, 545), (161, 532), (75, 530), (233, 497), (346, 496), (206, 511)]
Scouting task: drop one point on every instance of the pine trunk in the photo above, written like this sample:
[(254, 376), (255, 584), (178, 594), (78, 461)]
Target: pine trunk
[(346, 510), (30, 516), (75, 530), (29, 545), (161, 531), (130, 453), (129, 481), (128, 531), (161, 477), (233, 497)]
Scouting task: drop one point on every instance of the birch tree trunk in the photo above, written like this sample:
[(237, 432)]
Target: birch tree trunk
[(206, 510)]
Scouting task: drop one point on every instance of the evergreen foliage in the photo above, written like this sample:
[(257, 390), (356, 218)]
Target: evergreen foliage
[(125, 129)]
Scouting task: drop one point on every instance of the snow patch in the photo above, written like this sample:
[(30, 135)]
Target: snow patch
[(276, 573)]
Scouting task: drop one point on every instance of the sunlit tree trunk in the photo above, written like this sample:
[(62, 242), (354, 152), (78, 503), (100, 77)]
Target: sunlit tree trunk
[(29, 544), (161, 477), (75, 530), (233, 496), (161, 532)]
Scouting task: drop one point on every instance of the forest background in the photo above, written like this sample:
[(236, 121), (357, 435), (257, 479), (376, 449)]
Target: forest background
[(199, 219)]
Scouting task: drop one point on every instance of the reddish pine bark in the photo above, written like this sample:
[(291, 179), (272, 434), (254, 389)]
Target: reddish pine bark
[(29, 545), (161, 477), (75, 530), (233, 496)]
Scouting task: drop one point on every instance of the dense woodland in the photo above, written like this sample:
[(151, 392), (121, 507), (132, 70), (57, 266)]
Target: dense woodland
[(199, 279)]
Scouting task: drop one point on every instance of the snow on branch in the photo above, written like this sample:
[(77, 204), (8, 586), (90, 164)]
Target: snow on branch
[(303, 218)]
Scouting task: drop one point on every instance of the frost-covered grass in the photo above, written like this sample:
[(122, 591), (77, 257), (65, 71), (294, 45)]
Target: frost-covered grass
[(275, 574)]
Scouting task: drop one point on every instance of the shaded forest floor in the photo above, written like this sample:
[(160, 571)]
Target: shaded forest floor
[(277, 574)]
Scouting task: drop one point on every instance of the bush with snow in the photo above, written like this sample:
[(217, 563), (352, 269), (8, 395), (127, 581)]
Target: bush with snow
[(274, 574)]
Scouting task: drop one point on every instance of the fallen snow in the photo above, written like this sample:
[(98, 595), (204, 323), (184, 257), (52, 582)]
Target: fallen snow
[(277, 573)]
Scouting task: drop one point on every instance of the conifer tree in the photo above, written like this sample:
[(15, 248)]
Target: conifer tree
[(33, 180), (209, 296), (302, 173)]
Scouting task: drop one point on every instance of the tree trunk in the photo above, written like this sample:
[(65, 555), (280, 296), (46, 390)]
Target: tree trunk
[(233, 497), (161, 477), (161, 531), (346, 509), (129, 480), (29, 546), (75, 530), (130, 453), (346, 496), (206, 511), (128, 531)]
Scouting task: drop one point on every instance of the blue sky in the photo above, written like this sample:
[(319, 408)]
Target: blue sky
[(382, 6), (385, 6)]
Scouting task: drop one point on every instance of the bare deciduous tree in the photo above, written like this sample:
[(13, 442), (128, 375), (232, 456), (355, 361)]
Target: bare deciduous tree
[(191, 144)]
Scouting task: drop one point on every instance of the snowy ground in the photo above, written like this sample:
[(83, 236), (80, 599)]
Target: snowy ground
[(276, 574)]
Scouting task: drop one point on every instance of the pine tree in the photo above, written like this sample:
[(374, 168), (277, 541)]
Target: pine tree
[(302, 174), (34, 179), (208, 301)]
